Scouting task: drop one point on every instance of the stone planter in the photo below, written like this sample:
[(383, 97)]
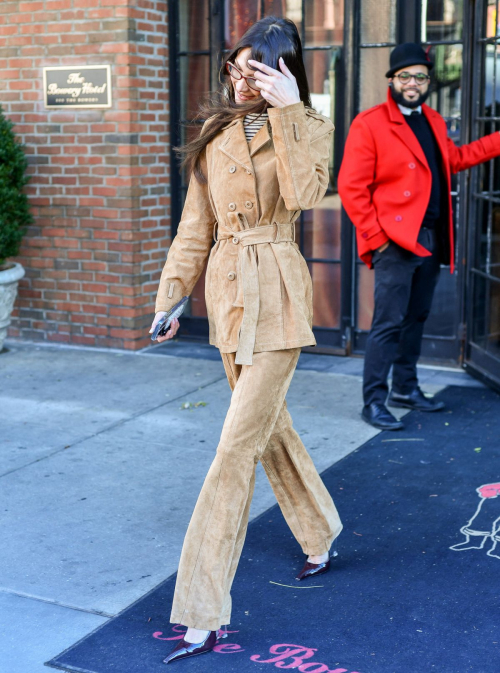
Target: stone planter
[(9, 278)]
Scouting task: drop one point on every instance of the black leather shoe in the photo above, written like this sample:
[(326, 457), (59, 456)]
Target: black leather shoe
[(380, 417), (183, 649), (415, 400)]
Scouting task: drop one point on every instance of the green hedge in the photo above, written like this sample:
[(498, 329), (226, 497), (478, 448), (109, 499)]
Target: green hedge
[(14, 207)]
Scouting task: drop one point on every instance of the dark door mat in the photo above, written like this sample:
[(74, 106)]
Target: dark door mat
[(400, 599)]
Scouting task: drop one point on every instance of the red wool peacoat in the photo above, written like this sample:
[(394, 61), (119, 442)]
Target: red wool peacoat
[(385, 181)]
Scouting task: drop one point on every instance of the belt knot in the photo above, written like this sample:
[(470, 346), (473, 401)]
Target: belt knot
[(276, 232)]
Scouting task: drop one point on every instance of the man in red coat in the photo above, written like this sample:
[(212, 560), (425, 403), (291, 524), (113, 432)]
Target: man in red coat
[(394, 183)]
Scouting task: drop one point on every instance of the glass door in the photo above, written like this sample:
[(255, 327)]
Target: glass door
[(201, 31), (439, 27), (482, 354)]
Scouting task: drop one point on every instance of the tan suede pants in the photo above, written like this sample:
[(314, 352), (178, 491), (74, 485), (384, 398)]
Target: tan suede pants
[(257, 427)]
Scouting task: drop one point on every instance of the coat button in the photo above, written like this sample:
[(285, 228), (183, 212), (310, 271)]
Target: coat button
[(412, 165), (232, 169), (364, 235), (231, 275), (249, 172), (248, 204), (407, 193), (232, 206), (398, 218), (236, 240)]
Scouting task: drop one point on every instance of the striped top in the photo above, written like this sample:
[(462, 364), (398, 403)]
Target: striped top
[(253, 122)]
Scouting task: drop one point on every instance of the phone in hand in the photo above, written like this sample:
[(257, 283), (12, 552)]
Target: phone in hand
[(163, 324)]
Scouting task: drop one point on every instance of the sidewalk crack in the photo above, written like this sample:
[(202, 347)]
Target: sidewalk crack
[(51, 601)]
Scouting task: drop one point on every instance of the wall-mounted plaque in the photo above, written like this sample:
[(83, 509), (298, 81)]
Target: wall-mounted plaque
[(77, 86)]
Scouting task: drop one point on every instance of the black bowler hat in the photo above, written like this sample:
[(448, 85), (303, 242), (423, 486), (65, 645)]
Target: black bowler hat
[(405, 55)]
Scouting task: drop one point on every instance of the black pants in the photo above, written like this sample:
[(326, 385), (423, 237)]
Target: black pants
[(404, 288)]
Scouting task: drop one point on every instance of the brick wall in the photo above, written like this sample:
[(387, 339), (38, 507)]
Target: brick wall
[(100, 179)]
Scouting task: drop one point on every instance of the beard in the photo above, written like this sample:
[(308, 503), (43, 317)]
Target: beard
[(401, 100)]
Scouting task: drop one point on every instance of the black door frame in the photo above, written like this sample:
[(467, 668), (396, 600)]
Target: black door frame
[(477, 360)]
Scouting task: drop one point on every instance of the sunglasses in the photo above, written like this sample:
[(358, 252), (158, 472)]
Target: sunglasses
[(406, 77), (237, 74)]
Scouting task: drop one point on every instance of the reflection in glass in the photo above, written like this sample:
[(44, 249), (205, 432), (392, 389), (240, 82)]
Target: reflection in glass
[(194, 17), (321, 235), (492, 80), (294, 12), (492, 20), (240, 15), (274, 8), (487, 232), (324, 22), (446, 83), (198, 307), (326, 294), (442, 20), (320, 69), (442, 320), (187, 134), (486, 319), (365, 285), (372, 81), (194, 76), (378, 21)]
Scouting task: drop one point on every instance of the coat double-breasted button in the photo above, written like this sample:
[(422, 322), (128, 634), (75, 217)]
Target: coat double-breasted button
[(364, 234), (412, 165), (232, 169), (232, 206), (407, 193), (231, 275), (248, 204), (236, 240), (398, 218)]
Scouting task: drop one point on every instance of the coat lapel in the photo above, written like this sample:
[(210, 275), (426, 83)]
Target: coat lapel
[(235, 146), (436, 126), (261, 138), (401, 128)]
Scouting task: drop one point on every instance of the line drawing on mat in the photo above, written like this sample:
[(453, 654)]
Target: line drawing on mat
[(485, 522)]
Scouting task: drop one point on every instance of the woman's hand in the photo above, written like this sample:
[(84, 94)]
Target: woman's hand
[(278, 88), (174, 326)]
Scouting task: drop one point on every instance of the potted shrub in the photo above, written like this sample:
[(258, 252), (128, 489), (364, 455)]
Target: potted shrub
[(14, 217)]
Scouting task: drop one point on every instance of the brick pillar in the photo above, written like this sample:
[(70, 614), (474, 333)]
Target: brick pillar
[(100, 178)]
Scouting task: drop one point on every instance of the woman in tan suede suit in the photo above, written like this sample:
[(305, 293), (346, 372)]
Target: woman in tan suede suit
[(246, 192)]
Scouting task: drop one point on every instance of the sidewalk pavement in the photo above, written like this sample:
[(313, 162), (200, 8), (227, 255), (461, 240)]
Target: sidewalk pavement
[(103, 453)]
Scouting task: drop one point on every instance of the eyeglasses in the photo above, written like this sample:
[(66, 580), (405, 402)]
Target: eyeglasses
[(406, 77), (237, 74)]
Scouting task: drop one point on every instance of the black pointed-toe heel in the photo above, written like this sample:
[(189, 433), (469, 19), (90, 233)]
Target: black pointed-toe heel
[(183, 649), (313, 569)]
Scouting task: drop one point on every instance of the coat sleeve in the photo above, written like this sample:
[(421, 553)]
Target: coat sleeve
[(355, 184), (190, 247), (302, 155), (474, 153)]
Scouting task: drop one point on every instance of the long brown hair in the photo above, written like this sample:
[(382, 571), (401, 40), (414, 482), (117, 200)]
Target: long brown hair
[(269, 39)]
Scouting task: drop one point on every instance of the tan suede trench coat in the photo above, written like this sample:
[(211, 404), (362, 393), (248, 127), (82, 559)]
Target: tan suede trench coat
[(258, 289)]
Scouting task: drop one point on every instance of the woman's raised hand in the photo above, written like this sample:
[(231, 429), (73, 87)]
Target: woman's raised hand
[(174, 326), (278, 88)]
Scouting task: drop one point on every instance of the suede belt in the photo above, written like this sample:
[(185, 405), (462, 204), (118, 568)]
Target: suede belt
[(249, 277)]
